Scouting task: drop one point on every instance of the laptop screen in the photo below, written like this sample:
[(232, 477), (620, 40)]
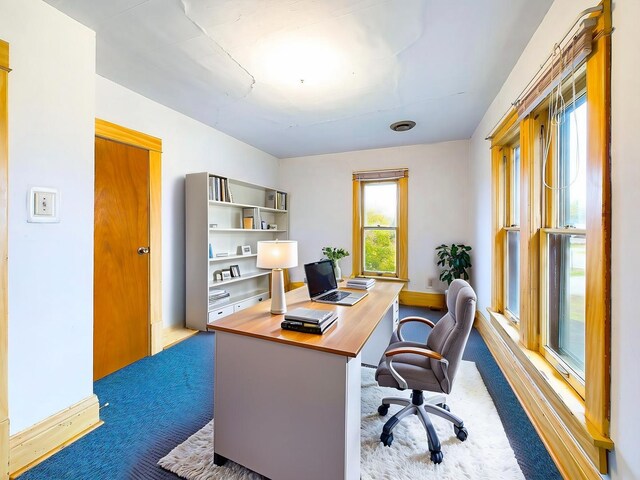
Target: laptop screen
[(320, 277)]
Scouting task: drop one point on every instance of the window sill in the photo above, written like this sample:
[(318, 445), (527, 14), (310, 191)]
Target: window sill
[(384, 279), (563, 408)]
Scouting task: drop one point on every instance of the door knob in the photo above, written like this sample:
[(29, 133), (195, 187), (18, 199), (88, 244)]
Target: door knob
[(143, 250)]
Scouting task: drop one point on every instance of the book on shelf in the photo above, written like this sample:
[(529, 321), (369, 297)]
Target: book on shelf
[(219, 190), (361, 283), (309, 315), (281, 201), (250, 217), (215, 294), (304, 327)]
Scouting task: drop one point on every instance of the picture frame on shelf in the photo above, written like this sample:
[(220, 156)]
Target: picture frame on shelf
[(244, 250), (235, 270), (226, 274)]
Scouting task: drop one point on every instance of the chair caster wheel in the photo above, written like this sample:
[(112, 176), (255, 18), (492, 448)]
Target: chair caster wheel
[(386, 439), (436, 457), (383, 409), (444, 406), (461, 433)]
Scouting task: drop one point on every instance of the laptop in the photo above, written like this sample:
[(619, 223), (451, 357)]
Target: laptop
[(323, 287)]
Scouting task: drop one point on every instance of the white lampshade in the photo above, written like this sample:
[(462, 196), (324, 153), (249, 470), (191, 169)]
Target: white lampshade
[(277, 254)]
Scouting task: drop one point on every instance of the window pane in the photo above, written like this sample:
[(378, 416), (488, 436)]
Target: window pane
[(513, 273), (573, 166), (567, 266), (380, 251), (380, 204), (515, 181)]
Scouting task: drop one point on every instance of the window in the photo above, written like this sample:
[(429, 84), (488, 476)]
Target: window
[(380, 223), (564, 246), (512, 232), (562, 239), (380, 227)]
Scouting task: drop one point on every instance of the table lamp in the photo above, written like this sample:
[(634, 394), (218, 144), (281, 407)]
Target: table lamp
[(277, 254)]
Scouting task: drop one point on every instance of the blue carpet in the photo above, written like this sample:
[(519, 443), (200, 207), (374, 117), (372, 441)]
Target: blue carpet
[(156, 403)]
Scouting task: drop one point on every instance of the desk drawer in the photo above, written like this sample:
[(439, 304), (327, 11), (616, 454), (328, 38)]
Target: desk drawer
[(220, 313), (249, 302)]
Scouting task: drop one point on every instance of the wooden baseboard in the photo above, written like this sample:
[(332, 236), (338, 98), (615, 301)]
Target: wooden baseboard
[(4, 449), (173, 335), (565, 449), (36, 443), (156, 338), (423, 299)]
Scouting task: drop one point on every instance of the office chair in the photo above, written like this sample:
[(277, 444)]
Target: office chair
[(431, 367)]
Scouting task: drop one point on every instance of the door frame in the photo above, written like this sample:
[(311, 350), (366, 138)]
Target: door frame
[(4, 322), (117, 133)]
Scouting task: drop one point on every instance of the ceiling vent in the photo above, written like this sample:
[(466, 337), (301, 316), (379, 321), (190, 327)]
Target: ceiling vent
[(402, 126)]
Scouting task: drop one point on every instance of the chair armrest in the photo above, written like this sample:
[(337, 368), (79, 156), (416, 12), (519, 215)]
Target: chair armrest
[(414, 350), (410, 350), (405, 320)]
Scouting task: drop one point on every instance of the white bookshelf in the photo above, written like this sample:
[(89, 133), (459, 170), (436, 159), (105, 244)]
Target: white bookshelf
[(219, 224)]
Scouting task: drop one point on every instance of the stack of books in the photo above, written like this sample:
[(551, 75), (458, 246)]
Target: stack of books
[(309, 320), (216, 297), (361, 283), (219, 189)]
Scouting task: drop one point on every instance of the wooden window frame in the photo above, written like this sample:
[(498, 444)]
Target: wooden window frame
[(402, 229), (567, 423), (4, 325)]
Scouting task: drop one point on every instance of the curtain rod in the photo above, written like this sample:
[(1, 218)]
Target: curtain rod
[(584, 13)]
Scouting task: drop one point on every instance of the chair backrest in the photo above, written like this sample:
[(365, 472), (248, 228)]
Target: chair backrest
[(449, 336)]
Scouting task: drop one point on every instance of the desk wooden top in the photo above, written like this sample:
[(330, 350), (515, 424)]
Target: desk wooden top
[(345, 337)]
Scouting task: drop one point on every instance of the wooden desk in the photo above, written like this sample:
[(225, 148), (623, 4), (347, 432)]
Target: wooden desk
[(287, 404)]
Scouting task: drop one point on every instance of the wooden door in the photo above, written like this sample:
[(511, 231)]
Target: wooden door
[(121, 272)]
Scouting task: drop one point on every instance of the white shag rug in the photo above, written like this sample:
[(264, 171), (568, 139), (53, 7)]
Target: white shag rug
[(486, 454)]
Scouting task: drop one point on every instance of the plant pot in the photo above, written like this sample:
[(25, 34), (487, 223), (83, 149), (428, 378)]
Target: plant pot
[(337, 271)]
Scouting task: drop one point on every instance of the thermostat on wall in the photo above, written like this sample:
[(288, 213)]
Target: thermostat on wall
[(43, 204)]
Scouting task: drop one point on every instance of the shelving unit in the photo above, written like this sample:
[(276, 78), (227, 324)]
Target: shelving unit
[(219, 224)]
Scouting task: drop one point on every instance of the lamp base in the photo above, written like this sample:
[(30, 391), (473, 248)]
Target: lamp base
[(278, 302)]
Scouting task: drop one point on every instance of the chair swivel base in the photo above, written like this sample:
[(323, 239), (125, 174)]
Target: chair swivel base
[(416, 406)]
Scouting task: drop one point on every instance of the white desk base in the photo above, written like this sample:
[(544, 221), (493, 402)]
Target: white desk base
[(286, 412)]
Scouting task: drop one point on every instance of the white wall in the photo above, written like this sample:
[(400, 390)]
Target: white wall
[(188, 146), (625, 265), (51, 118), (439, 211), (625, 331)]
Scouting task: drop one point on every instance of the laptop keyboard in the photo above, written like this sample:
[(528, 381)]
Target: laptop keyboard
[(334, 296)]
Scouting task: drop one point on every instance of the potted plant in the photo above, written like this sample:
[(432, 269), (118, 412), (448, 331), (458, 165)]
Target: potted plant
[(334, 254), (455, 261)]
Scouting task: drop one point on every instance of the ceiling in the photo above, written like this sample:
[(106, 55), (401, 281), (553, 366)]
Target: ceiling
[(303, 77)]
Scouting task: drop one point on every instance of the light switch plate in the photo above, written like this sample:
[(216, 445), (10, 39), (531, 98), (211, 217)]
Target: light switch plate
[(43, 204)]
